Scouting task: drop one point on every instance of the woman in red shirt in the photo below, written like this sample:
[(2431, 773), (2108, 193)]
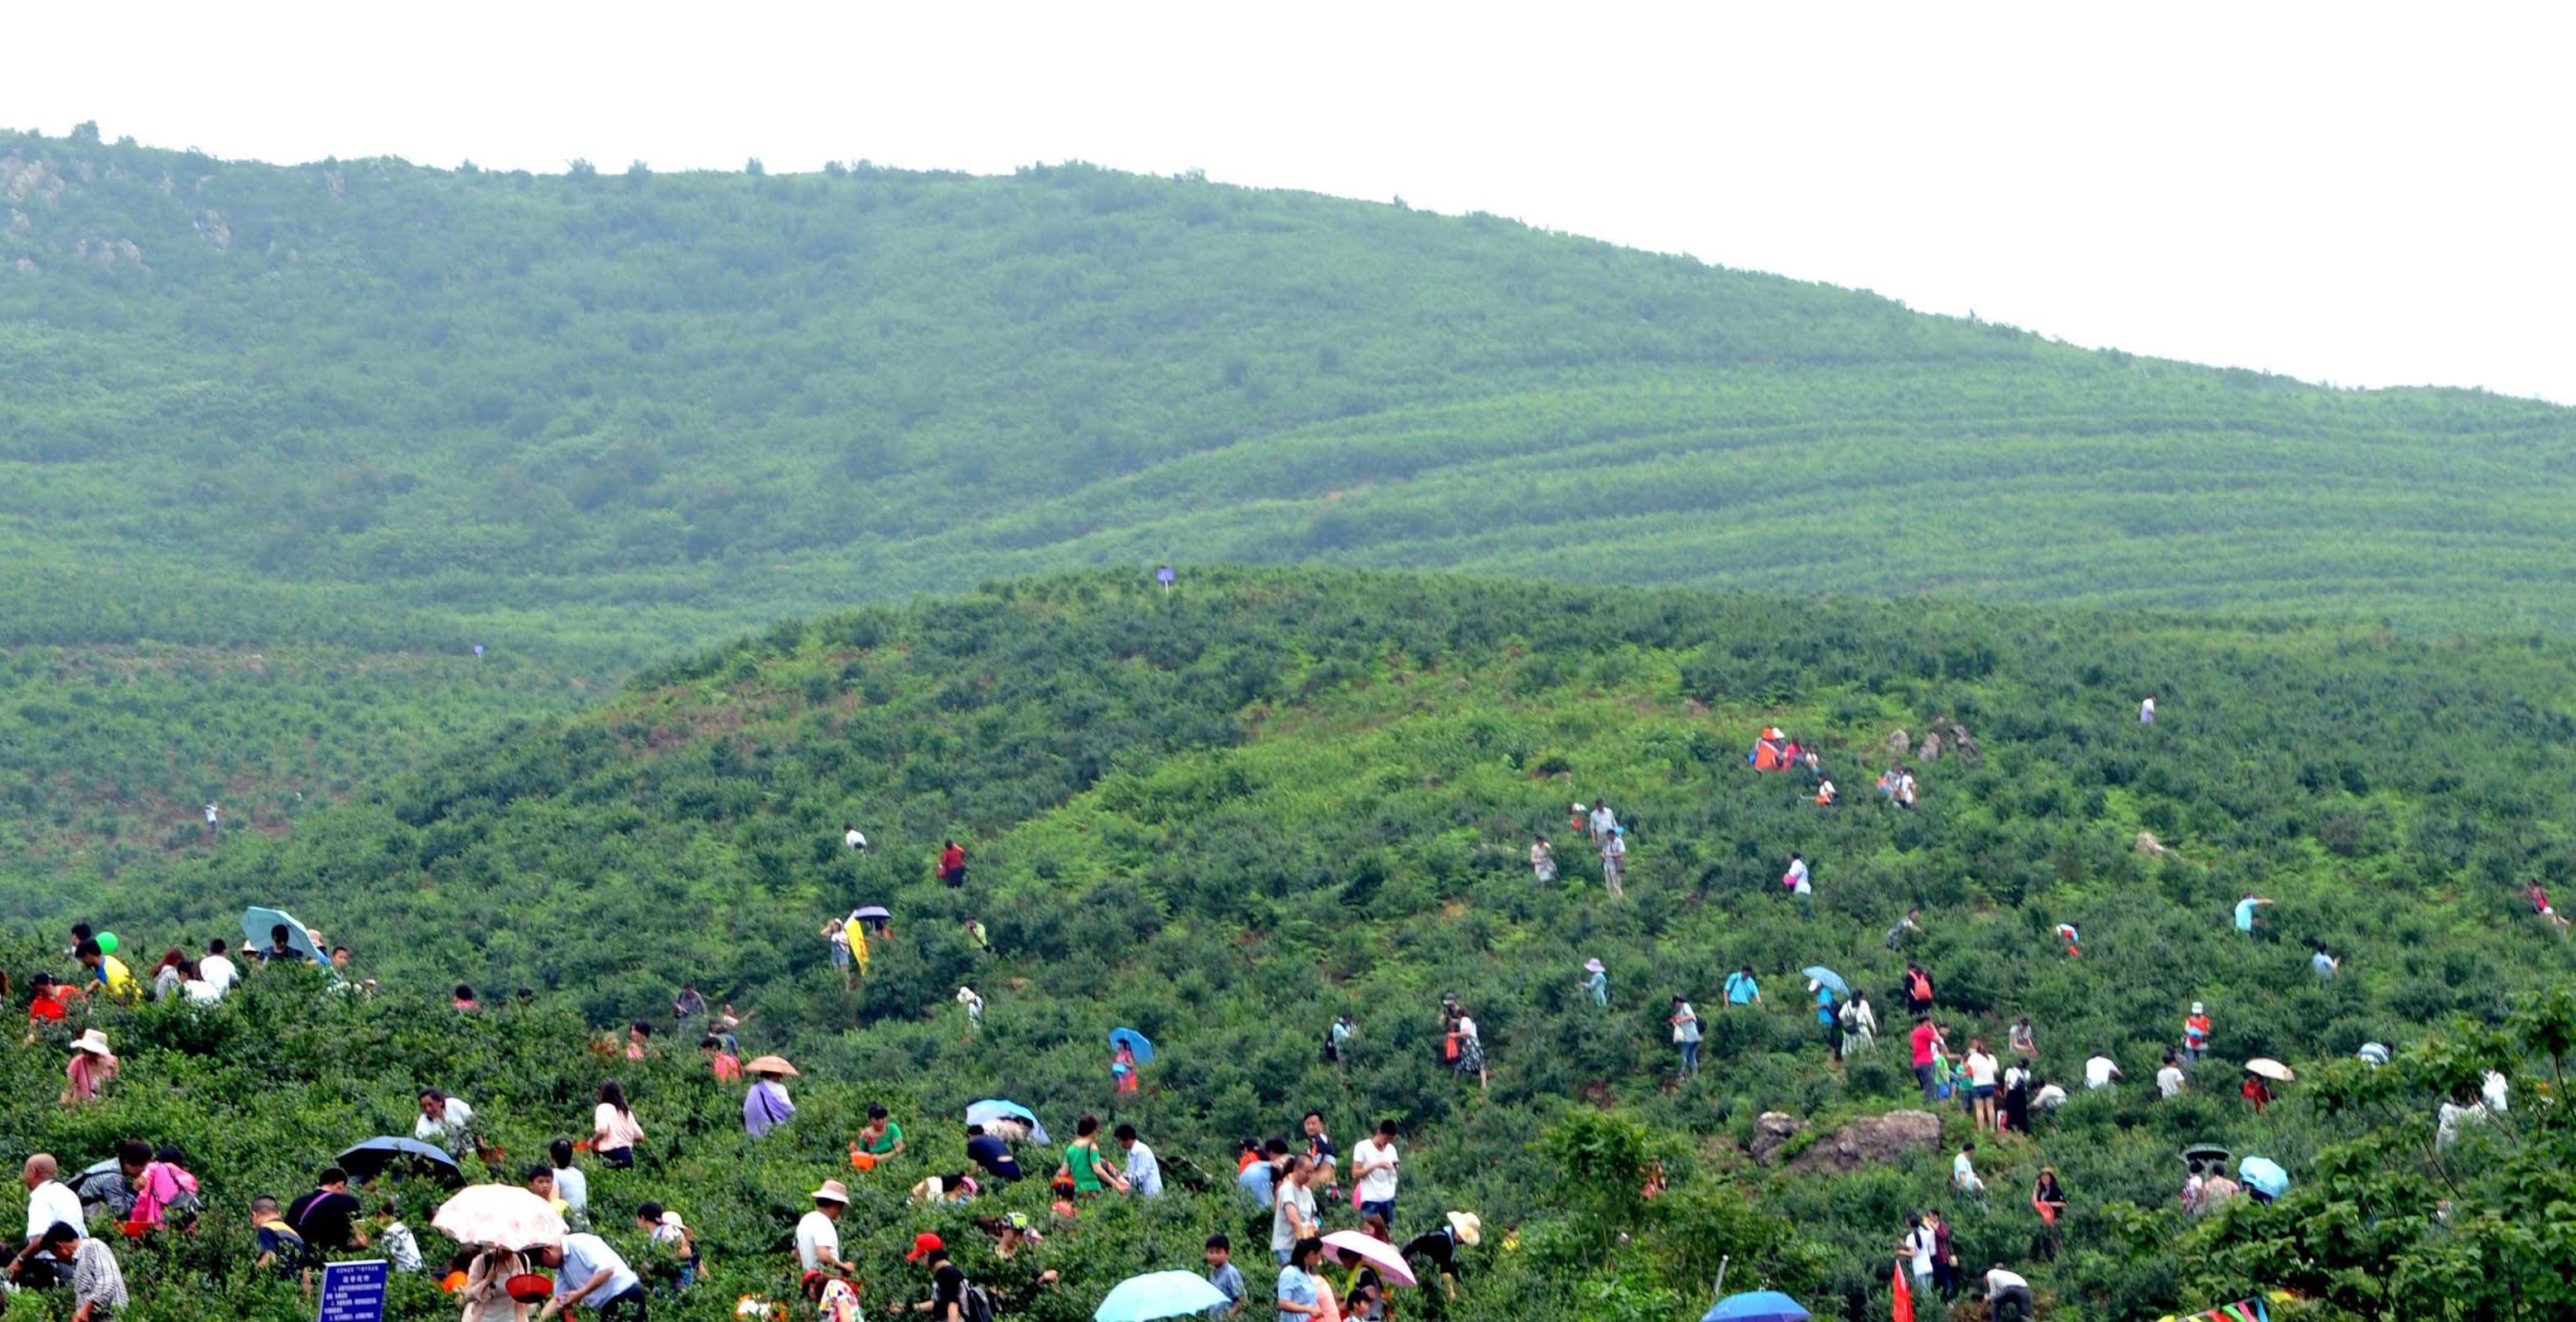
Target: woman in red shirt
[(952, 864)]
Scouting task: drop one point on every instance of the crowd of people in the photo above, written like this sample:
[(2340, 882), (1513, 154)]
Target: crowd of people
[(1292, 1185)]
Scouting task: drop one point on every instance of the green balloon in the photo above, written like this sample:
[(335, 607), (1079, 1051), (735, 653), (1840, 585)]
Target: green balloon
[(107, 943)]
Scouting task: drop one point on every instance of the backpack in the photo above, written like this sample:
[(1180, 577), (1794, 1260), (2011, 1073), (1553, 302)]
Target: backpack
[(977, 1304), (1918, 987)]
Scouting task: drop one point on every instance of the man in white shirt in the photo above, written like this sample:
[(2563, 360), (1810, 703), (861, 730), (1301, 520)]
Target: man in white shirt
[(2049, 1097), (217, 968), (444, 1120), (818, 1241), (1601, 821), (2169, 1080), (49, 1200), (1144, 1170), (2147, 711), (2099, 1071), (2007, 1295), (1373, 1169), (850, 838), (1963, 1170)]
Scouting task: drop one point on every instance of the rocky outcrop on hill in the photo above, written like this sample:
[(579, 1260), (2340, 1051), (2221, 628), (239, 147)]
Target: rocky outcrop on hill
[(1865, 1141)]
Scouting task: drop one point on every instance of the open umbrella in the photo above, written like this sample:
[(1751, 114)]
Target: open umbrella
[(257, 921), (770, 1065), (2270, 1069), (2265, 1174), (1159, 1294), (504, 1215), (367, 1160), (995, 1108), (871, 911), (1828, 977), (2374, 1054), (2207, 1154), (1379, 1253), (1756, 1306), (1134, 1041)]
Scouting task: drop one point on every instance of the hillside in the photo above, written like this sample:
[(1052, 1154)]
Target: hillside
[(588, 419), (1227, 813)]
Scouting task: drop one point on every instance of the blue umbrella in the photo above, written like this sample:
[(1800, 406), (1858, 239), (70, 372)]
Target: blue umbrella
[(1757, 1306), (1134, 1041), (367, 1160), (257, 921), (1828, 977), (2265, 1174), (996, 1109), (1159, 1294)]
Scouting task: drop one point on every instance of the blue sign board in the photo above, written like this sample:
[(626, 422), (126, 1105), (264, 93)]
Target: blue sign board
[(354, 1291), (1165, 576)]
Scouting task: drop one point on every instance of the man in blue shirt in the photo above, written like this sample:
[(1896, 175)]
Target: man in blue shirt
[(992, 1154), (2245, 913), (587, 1271), (1256, 1177), (1741, 989)]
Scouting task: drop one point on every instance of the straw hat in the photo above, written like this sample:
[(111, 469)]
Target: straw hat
[(1468, 1227), (92, 1041), (1593, 966), (833, 1191)]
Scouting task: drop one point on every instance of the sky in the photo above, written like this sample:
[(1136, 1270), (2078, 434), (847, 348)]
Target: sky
[(2355, 193)]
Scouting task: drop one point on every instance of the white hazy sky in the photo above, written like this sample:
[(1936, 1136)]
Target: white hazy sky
[(2356, 193)]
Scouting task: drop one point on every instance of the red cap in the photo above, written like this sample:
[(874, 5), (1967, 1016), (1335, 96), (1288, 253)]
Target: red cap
[(923, 1245)]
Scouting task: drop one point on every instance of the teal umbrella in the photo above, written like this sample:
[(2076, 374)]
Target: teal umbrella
[(1828, 977), (257, 921), (1757, 1306), (1157, 1295), (1134, 1041)]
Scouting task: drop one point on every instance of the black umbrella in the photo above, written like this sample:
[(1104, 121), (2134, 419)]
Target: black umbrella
[(370, 1159)]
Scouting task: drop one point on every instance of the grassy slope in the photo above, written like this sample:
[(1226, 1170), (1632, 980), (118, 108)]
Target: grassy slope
[(592, 420), (1226, 815)]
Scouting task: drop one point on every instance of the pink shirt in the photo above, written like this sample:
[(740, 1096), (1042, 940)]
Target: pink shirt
[(614, 1129), (87, 1071), (1923, 1037), (161, 1183)]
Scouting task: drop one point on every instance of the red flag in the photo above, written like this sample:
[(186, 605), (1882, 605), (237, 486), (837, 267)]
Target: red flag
[(1904, 1296)]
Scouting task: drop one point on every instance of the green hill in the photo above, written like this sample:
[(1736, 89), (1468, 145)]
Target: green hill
[(1227, 813), (587, 419)]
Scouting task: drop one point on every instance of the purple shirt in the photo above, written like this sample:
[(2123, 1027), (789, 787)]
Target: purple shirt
[(764, 1107)]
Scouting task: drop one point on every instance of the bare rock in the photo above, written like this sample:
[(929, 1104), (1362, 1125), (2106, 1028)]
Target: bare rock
[(127, 249), (1900, 743), (18, 222), (26, 266), (2150, 846), (1931, 749), (217, 234), (1871, 1140), (1772, 1131)]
